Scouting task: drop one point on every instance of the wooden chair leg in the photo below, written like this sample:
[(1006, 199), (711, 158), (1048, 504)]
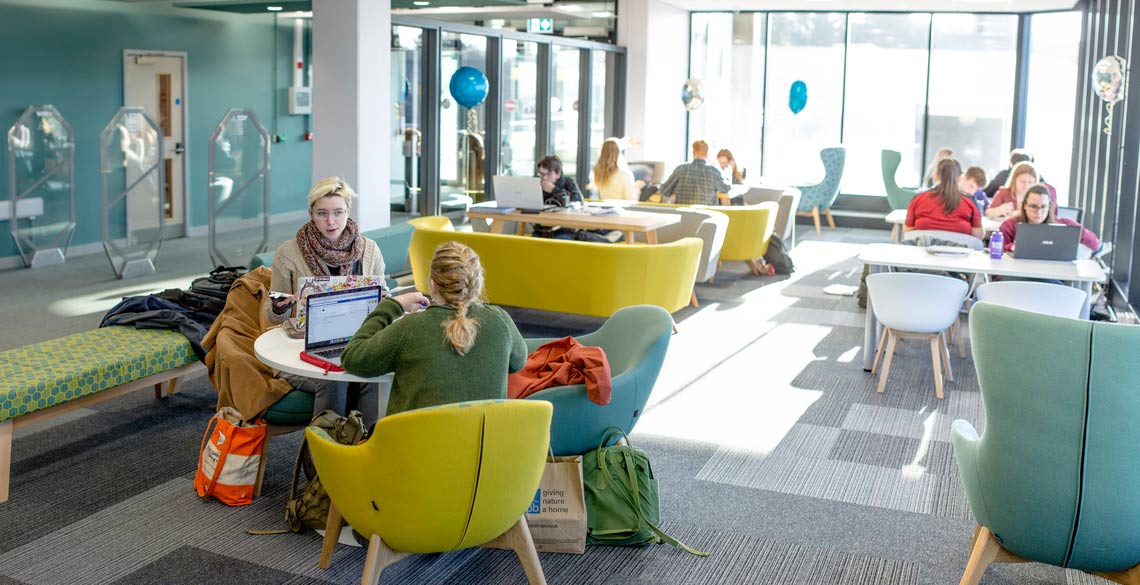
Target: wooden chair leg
[(945, 353), (961, 337), (984, 551), (693, 299), (879, 352), (830, 220), (261, 466), (815, 218), (380, 555), (936, 354), (887, 359), (332, 536), (518, 539), (753, 267), (5, 458)]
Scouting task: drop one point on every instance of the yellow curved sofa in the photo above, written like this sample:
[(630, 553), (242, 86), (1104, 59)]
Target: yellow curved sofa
[(567, 276), (750, 228)]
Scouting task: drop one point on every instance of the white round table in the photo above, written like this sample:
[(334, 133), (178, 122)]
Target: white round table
[(278, 351)]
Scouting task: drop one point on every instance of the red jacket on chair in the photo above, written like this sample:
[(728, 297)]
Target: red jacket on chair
[(563, 362)]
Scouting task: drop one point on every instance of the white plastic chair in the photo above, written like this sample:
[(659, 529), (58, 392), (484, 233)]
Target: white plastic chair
[(1037, 297), (925, 237), (913, 305)]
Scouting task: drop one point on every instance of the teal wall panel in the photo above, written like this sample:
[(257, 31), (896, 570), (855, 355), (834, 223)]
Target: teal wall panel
[(72, 58)]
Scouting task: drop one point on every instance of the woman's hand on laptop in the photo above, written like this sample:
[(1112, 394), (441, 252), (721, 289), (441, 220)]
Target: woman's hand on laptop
[(413, 301)]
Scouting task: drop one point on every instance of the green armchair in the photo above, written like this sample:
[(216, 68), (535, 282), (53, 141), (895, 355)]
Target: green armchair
[(1053, 479), (635, 339), (897, 197)]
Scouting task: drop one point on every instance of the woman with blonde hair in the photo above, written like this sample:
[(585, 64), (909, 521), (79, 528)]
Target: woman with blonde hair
[(451, 347), (1008, 200), (612, 177), (932, 172), (329, 244)]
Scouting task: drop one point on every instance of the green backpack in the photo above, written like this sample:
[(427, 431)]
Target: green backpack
[(310, 508), (622, 505)]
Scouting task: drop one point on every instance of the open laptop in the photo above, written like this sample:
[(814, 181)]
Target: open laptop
[(1047, 241), (333, 318), (522, 193)]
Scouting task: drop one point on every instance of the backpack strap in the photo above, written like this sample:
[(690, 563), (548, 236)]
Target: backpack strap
[(291, 507)]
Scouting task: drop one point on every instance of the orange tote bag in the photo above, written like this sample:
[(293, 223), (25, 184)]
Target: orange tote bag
[(230, 457)]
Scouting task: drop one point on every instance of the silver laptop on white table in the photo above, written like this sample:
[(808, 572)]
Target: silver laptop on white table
[(522, 193)]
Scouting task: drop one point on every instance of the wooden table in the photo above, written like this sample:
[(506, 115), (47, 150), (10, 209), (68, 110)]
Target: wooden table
[(898, 217), (625, 220), (1081, 274)]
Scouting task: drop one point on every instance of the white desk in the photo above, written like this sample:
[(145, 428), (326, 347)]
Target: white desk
[(278, 351), (898, 217), (1081, 273)]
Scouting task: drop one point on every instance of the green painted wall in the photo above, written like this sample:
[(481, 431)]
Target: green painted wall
[(71, 56)]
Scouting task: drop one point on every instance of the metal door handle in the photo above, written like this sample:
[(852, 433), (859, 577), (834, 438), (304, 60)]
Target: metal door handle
[(178, 148)]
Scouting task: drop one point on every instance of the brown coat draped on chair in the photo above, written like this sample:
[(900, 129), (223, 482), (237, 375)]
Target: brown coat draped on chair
[(241, 380), (564, 362)]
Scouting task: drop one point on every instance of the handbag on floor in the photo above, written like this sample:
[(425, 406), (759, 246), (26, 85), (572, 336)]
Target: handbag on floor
[(229, 458), (557, 516), (622, 505)]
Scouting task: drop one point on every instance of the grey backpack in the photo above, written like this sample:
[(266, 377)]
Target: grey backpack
[(778, 257)]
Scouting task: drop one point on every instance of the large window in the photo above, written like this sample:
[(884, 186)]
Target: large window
[(805, 47), (601, 109), (461, 135), (1055, 41), (407, 64), (564, 108), (972, 75), (520, 86), (885, 98)]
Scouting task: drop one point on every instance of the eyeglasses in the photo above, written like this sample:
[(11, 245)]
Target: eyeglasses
[(337, 214), (1044, 207), (545, 173)]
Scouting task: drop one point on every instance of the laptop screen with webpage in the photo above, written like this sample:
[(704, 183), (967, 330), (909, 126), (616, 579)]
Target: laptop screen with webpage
[(334, 317)]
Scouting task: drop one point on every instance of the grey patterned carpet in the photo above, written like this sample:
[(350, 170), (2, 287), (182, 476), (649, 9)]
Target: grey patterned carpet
[(774, 452)]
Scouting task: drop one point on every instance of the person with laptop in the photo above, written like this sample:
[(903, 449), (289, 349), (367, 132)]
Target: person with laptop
[(448, 348), (329, 244), (557, 189), (1037, 208)]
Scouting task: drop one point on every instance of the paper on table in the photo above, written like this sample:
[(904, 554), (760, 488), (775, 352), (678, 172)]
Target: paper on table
[(841, 290)]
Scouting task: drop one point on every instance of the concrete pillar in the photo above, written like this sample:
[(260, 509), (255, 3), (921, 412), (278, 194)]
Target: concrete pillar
[(656, 37), (352, 111)]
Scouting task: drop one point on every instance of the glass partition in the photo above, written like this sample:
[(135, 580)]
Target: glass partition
[(239, 188), (131, 173), (461, 137), (520, 92), (601, 109), (564, 108), (1054, 44), (41, 185), (407, 151)]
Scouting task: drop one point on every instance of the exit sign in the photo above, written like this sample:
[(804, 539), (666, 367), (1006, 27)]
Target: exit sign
[(540, 25)]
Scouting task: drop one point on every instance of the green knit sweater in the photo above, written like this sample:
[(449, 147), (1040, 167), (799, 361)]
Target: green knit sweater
[(428, 370)]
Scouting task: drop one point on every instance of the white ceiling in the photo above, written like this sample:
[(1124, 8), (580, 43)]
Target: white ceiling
[(877, 5)]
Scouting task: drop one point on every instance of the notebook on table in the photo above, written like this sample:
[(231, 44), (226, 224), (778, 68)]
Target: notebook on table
[(1047, 241), (333, 318)]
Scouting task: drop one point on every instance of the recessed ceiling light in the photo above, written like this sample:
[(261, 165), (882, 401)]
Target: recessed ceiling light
[(422, 3), (274, 8), (603, 14)]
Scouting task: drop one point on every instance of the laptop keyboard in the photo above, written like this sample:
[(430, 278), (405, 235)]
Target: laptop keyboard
[(329, 354)]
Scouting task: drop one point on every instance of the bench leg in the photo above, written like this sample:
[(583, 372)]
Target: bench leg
[(5, 458)]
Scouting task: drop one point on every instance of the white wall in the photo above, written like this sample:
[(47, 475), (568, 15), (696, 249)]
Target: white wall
[(352, 101), (656, 36)]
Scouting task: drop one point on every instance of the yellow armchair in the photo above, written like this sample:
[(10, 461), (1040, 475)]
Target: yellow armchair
[(438, 479), (750, 228)]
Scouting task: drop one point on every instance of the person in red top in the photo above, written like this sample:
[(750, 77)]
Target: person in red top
[(1037, 207), (945, 207)]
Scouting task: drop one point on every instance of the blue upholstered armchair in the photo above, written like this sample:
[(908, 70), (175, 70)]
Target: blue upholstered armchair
[(1054, 477), (635, 339), (821, 196), (897, 197)]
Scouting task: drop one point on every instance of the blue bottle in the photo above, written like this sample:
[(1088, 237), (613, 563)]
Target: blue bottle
[(996, 244)]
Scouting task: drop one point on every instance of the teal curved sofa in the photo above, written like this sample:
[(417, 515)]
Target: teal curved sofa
[(818, 198), (634, 339), (1054, 478), (897, 197)]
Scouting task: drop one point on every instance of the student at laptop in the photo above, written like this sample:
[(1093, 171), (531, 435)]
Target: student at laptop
[(1037, 207), (330, 244), (454, 349), (555, 186), (945, 207)]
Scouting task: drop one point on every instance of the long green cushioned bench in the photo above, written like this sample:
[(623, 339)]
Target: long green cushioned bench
[(49, 378)]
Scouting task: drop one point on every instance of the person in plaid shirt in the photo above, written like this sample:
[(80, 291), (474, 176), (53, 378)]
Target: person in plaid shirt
[(695, 182)]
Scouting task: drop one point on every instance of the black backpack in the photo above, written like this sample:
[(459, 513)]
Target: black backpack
[(778, 257), (218, 283)]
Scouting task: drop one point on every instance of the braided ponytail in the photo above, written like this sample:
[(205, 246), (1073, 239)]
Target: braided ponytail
[(458, 277)]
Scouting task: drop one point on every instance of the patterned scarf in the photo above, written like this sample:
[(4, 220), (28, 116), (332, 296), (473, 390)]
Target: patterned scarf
[(320, 253)]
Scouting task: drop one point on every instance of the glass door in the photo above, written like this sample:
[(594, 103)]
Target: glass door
[(520, 96), (407, 151), (564, 108), (462, 143)]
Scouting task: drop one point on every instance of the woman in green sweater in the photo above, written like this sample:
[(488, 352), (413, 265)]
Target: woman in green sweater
[(451, 348)]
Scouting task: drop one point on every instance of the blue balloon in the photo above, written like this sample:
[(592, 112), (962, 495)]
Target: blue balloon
[(797, 97), (468, 86)]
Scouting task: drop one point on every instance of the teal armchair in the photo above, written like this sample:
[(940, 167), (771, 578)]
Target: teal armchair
[(634, 339), (1054, 477), (821, 196), (897, 197)]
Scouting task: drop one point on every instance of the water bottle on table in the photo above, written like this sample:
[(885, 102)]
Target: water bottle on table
[(996, 244)]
